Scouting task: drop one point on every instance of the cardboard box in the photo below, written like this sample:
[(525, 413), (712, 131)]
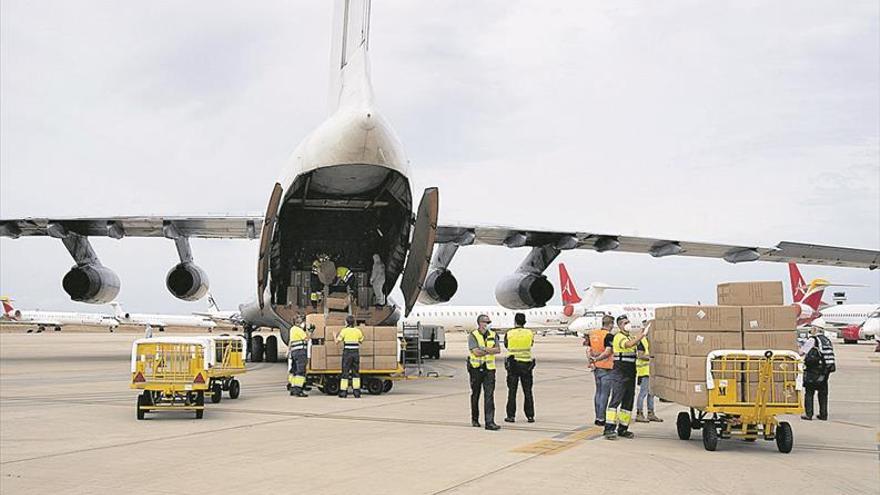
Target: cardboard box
[(337, 304), (693, 394), (384, 334), (699, 344), (769, 318), (333, 348), (385, 362), (663, 365), (784, 371), (368, 333), (366, 362), (705, 318), (316, 319), (385, 349), (334, 363), (318, 359), (663, 325), (750, 293), (657, 336), (779, 392), (367, 348), (785, 340), (318, 332), (336, 319)]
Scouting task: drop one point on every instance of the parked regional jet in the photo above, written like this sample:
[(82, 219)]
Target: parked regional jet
[(219, 316), (161, 321), (54, 319), (345, 195), (815, 312)]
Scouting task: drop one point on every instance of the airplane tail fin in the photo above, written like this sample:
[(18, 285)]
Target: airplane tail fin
[(117, 309), (212, 304), (596, 291), (349, 64), (567, 288), (8, 310), (798, 286)]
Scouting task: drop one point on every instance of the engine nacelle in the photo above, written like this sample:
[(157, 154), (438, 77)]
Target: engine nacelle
[(93, 283), (187, 281), (440, 286), (523, 291)]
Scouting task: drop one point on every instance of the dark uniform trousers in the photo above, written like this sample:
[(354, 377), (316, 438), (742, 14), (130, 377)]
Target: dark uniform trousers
[(518, 371), (811, 388), (482, 379), (351, 363), (623, 392), (298, 359)]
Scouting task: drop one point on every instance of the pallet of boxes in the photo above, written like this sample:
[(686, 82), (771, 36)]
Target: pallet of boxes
[(379, 354), (749, 320)]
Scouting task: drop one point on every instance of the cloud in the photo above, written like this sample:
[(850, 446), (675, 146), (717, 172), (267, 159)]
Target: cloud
[(741, 123)]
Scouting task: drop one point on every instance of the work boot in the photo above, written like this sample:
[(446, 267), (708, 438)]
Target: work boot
[(492, 427), (640, 418), (475, 423), (609, 435), (822, 418), (653, 417), (625, 434), (343, 394), (806, 418), (357, 394), (599, 422), (531, 420), (509, 420)]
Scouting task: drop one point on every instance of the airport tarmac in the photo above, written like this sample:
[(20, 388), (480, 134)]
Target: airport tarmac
[(67, 425)]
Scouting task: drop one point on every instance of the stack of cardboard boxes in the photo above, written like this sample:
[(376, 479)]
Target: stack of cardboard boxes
[(379, 350), (749, 315)]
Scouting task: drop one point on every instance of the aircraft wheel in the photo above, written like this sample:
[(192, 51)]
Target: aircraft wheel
[(271, 349), (257, 349)]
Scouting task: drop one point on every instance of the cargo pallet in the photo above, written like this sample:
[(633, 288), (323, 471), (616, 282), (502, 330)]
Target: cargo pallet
[(734, 410)]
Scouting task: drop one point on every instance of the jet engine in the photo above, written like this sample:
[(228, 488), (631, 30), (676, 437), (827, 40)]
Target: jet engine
[(523, 291), (187, 281), (440, 286), (91, 283)]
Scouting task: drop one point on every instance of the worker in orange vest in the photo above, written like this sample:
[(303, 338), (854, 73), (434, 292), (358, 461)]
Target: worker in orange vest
[(601, 362)]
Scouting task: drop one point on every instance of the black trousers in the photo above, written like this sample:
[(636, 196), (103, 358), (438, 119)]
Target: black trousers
[(351, 363), (520, 372), (482, 380), (623, 392), (809, 389)]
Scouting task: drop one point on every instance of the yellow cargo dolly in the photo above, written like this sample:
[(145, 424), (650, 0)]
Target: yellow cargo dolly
[(746, 391), (374, 381), (172, 372), (228, 360)]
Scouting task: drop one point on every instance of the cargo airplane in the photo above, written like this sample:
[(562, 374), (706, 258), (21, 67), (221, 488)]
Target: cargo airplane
[(345, 195)]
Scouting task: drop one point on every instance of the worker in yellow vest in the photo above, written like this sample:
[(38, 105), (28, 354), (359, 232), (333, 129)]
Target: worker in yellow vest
[(351, 338), (643, 373), (298, 344), (623, 344), (483, 346), (601, 360), (519, 365)]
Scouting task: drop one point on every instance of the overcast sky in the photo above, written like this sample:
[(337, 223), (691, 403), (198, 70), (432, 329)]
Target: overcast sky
[(741, 122)]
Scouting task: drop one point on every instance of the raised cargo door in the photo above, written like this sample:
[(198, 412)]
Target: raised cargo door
[(265, 242), (421, 248)]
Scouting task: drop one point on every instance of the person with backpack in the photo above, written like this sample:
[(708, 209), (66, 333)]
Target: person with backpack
[(819, 363)]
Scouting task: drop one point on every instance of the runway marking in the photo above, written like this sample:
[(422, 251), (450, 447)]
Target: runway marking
[(559, 443)]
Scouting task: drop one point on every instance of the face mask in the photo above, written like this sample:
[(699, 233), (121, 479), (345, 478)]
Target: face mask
[(488, 326)]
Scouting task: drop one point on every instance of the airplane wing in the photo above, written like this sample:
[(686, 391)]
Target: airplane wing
[(214, 227), (785, 251)]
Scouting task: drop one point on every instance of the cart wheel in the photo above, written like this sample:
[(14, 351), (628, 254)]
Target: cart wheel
[(257, 349), (710, 436), (140, 402), (216, 392), (683, 425), (234, 389), (331, 386), (375, 386), (200, 401), (784, 437), (386, 386)]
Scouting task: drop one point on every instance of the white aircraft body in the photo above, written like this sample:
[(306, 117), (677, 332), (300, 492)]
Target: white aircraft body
[(345, 193), (54, 319), (160, 321), (844, 315), (219, 316)]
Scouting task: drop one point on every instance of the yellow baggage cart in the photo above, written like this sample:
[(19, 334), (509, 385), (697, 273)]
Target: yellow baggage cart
[(747, 390), (172, 373), (228, 360)]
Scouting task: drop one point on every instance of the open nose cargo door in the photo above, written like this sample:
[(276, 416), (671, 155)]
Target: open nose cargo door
[(265, 242), (421, 248)]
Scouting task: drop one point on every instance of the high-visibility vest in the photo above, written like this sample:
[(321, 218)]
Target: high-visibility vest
[(623, 354), (519, 344), (597, 345), (643, 367), (343, 274), (351, 338), (299, 339), (488, 342)]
